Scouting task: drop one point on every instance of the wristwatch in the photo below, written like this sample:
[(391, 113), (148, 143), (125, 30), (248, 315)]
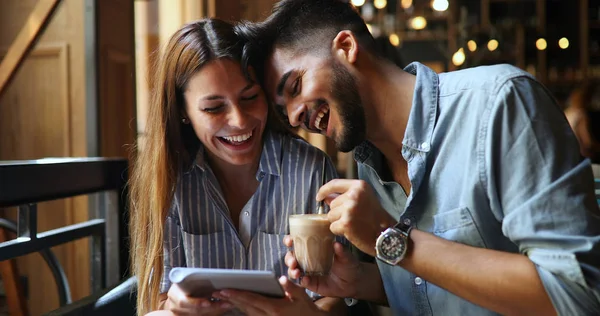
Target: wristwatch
[(392, 244)]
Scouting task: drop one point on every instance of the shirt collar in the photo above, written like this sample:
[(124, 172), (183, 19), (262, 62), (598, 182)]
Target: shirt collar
[(270, 157), (421, 120), (419, 129)]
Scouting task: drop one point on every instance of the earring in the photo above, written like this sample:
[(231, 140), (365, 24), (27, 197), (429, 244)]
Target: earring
[(184, 120)]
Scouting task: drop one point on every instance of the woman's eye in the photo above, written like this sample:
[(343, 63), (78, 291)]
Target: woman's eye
[(213, 109), (252, 97)]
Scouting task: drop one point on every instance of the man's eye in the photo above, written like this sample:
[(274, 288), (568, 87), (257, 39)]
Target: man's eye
[(296, 87), (213, 109)]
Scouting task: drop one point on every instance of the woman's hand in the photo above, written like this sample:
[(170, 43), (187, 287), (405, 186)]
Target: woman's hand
[(296, 301), (180, 304)]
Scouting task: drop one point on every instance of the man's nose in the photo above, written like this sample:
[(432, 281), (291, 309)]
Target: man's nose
[(298, 115)]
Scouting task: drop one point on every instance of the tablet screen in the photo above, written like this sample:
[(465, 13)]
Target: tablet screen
[(200, 282)]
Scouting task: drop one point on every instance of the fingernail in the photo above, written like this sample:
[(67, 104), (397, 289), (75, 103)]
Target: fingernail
[(225, 293)]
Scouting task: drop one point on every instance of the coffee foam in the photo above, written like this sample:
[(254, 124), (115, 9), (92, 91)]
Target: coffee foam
[(308, 219)]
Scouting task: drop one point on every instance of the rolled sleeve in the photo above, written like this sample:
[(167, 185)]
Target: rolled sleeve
[(543, 192), (173, 251)]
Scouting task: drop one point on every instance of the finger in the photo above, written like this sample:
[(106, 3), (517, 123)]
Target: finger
[(293, 291), (342, 255), (338, 228), (250, 310), (292, 264), (189, 306), (337, 201), (330, 198), (334, 214), (295, 274), (290, 260), (180, 299), (249, 300), (313, 283), (339, 186), (211, 308), (288, 241), (216, 309), (222, 305)]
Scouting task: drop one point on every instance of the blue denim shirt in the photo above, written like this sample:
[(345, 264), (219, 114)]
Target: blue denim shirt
[(493, 164)]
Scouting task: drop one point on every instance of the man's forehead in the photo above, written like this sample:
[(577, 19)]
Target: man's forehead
[(280, 61)]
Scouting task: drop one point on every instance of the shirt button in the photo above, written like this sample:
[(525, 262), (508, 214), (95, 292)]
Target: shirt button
[(247, 213), (425, 146), (418, 281)]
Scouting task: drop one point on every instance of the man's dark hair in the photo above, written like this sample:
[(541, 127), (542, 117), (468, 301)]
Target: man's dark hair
[(302, 26)]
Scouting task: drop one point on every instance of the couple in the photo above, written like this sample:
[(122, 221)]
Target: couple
[(474, 176)]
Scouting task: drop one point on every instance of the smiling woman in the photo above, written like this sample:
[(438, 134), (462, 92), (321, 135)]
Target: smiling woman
[(228, 115), (217, 179)]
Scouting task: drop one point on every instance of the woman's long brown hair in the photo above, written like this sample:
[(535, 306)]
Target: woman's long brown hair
[(169, 146)]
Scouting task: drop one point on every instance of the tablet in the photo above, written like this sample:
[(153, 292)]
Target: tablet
[(200, 282)]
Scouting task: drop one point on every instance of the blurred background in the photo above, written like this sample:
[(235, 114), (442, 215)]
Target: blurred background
[(74, 83)]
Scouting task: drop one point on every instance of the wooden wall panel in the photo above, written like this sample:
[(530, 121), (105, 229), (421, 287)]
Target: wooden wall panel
[(42, 114), (35, 117), (117, 112), (116, 77)]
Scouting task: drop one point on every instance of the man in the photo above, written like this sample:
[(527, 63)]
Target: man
[(473, 196)]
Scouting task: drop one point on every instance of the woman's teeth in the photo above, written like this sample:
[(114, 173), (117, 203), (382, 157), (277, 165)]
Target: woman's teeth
[(238, 138), (322, 113)]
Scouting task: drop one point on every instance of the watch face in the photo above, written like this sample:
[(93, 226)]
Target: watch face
[(392, 246)]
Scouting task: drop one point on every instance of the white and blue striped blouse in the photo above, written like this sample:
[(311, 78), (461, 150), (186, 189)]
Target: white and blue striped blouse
[(199, 231)]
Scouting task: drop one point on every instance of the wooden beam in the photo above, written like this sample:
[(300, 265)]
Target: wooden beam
[(27, 37)]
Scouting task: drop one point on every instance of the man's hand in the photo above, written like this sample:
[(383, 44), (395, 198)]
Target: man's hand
[(342, 281), (355, 212), (296, 301)]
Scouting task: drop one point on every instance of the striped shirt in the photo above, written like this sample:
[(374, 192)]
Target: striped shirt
[(199, 231)]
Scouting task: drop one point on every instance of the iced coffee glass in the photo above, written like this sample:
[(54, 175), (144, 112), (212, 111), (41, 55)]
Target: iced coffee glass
[(313, 243)]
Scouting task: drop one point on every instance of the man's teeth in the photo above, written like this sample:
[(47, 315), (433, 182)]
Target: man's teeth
[(238, 138), (320, 116)]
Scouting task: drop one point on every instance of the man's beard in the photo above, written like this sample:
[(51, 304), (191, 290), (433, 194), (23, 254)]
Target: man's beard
[(349, 107)]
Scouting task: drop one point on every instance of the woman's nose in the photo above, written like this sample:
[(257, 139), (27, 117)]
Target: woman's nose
[(237, 117)]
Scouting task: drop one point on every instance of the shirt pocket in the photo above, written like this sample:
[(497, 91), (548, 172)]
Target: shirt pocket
[(269, 252), (214, 250), (458, 225)]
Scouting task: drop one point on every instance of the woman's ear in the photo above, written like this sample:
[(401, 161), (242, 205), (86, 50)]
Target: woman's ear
[(345, 46)]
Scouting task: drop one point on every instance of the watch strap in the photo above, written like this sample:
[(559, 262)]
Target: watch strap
[(404, 226)]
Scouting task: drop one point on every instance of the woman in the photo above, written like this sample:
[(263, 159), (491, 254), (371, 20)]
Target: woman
[(216, 179)]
